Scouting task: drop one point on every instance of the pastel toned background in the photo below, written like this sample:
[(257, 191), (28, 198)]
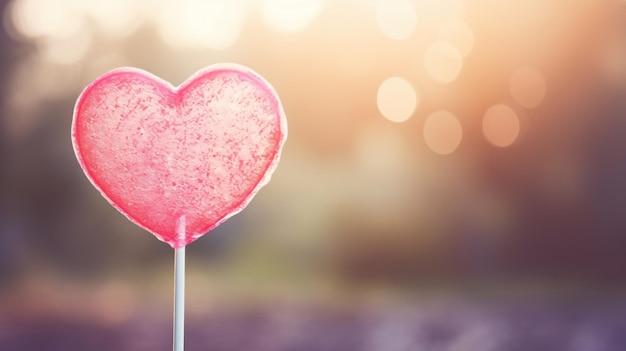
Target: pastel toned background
[(454, 178)]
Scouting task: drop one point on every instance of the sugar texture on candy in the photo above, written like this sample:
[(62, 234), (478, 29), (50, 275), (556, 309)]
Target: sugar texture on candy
[(179, 161)]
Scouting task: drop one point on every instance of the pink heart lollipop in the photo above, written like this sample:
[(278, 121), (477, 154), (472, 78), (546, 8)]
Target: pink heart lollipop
[(178, 161)]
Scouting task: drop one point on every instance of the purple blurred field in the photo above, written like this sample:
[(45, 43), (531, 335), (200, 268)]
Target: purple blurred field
[(548, 325)]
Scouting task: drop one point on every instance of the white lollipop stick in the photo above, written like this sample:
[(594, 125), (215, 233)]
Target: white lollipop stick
[(179, 299), (179, 291)]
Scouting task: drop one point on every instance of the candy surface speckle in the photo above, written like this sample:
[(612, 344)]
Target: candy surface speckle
[(179, 161)]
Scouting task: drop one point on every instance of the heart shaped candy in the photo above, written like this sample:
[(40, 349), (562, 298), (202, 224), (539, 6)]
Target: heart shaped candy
[(178, 161)]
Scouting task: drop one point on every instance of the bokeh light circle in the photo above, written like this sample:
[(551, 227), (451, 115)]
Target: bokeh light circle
[(115, 18), (501, 125), (397, 99), (458, 34), (439, 11), (397, 19), (528, 87), (290, 16), (214, 25), (442, 132), (66, 51), (42, 18), (443, 62)]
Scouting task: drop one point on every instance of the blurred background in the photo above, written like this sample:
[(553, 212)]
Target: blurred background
[(454, 178)]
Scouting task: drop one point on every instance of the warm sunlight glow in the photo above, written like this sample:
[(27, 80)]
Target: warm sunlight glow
[(290, 15), (443, 62), (397, 99), (501, 125), (528, 87), (396, 18), (114, 18), (442, 132), (437, 12), (458, 34), (41, 18), (214, 25), (66, 51)]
